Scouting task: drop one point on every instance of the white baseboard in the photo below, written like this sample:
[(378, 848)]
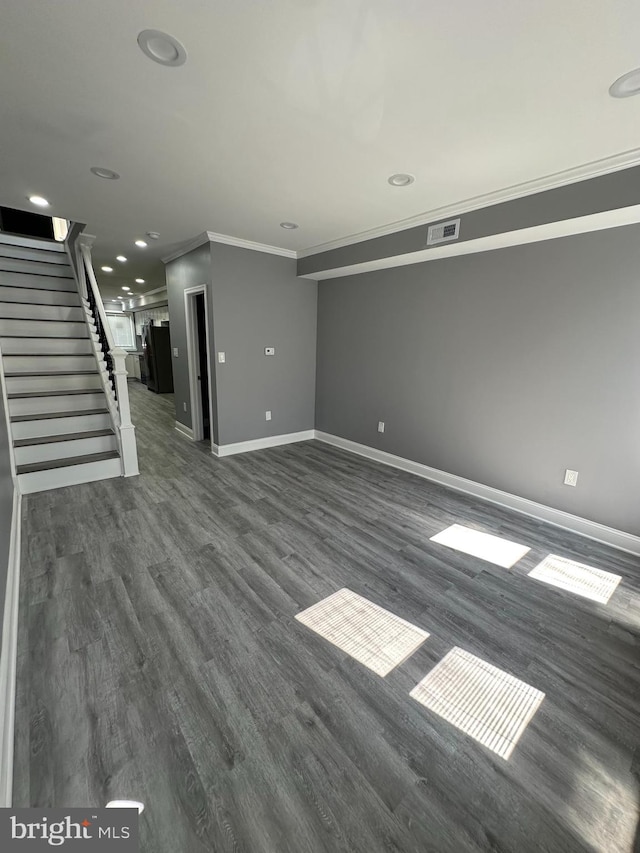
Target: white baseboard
[(8, 658), (184, 430), (261, 443), (591, 529)]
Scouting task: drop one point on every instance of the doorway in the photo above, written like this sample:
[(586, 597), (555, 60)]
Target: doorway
[(198, 353)]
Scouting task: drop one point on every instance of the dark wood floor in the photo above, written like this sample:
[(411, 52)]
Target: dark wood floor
[(159, 660)]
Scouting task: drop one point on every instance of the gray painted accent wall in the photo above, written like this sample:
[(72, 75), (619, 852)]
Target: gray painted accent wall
[(6, 507), (259, 302), (256, 301), (505, 368), (583, 198)]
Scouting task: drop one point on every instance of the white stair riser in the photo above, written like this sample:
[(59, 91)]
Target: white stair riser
[(41, 312), (60, 426), (73, 475), (43, 328), (64, 449), (27, 253), (77, 382), (33, 267), (44, 363), (18, 346), (31, 242), (37, 282), (56, 403), (29, 296)]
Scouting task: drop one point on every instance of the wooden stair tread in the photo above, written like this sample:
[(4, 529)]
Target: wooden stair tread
[(64, 463), (52, 373), (57, 393), (69, 436), (47, 415)]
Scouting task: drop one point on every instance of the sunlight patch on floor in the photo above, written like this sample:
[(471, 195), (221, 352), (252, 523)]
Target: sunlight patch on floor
[(372, 635), (576, 577), (494, 549), (486, 703)]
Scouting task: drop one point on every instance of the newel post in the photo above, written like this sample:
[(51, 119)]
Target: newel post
[(127, 429), (83, 259)]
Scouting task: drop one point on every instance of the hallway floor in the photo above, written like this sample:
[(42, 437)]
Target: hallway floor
[(160, 660)]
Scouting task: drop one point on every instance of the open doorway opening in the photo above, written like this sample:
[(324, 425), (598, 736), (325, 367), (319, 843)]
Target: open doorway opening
[(197, 317)]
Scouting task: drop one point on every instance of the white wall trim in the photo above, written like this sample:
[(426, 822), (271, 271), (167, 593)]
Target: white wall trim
[(249, 244), (9, 657), (261, 443), (591, 529), (535, 234), (191, 324), (229, 240), (604, 166), (187, 247), (184, 430)]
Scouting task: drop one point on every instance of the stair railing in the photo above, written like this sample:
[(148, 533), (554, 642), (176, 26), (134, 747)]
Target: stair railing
[(115, 378)]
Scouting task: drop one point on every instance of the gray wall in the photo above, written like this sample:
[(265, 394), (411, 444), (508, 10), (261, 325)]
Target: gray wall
[(187, 271), (505, 367), (595, 195), (259, 302), (256, 301), (6, 507)]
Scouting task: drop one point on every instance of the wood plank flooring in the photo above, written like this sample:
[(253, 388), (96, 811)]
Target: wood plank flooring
[(159, 660)]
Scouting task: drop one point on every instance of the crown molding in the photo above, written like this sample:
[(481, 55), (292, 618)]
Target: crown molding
[(249, 244), (594, 169), (187, 247), (228, 240)]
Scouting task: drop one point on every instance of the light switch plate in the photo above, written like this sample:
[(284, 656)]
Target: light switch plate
[(222, 357), (267, 416), (175, 352)]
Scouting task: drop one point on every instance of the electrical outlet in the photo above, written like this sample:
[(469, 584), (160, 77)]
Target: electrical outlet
[(269, 350), (570, 477), (175, 352), (184, 407), (267, 416), (380, 426), (222, 357)]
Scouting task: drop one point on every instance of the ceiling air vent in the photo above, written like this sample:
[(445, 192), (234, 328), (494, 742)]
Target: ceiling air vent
[(444, 232)]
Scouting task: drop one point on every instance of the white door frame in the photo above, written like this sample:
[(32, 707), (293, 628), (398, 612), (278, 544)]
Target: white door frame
[(193, 360)]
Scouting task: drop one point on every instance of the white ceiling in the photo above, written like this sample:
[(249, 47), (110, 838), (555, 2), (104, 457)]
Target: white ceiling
[(299, 110)]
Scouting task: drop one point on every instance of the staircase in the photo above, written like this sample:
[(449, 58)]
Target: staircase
[(60, 401)]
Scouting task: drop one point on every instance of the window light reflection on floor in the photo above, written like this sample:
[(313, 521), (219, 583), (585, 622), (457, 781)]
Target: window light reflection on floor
[(494, 549), (372, 635), (481, 700), (576, 577)]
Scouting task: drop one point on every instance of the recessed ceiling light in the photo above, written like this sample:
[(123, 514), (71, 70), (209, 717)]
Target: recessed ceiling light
[(400, 179), (288, 225), (162, 48), (153, 235), (122, 259), (106, 269), (627, 85), (139, 281), (38, 200), (107, 174), (141, 244), (125, 288)]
